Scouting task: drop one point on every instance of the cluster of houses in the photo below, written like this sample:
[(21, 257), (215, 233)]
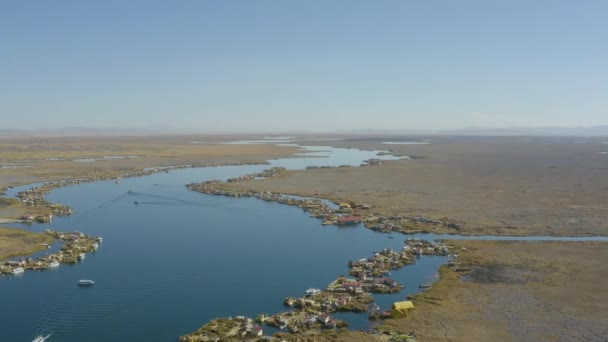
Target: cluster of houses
[(239, 328), (76, 245), (380, 264), (35, 197), (264, 174), (334, 298), (299, 321), (424, 247), (42, 218)]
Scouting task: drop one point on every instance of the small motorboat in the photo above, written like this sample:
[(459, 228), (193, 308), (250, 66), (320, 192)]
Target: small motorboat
[(86, 282), (54, 263), (18, 270), (41, 338), (311, 292)]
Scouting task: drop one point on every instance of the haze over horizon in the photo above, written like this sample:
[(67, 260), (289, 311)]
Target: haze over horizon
[(319, 66)]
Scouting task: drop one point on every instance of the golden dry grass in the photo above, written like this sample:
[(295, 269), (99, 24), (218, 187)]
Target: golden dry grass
[(512, 186), (33, 154), (18, 242), (518, 291)]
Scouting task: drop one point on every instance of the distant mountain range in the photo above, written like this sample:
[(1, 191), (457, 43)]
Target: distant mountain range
[(506, 131), (558, 131), (154, 130)]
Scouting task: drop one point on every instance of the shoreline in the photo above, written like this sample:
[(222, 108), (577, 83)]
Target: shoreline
[(34, 197), (378, 221)]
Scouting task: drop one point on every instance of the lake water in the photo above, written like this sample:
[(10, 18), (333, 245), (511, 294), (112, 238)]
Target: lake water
[(179, 258)]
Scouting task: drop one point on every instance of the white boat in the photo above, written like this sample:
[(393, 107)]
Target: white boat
[(54, 263), (86, 282), (311, 292), (41, 338), (81, 256), (18, 270)]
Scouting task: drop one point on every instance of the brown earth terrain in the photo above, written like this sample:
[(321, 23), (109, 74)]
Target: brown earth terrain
[(492, 185)]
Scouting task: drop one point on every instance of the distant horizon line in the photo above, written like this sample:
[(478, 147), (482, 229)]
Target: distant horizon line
[(596, 130)]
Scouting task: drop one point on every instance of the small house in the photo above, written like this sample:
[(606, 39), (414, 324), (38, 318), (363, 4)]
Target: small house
[(400, 309)]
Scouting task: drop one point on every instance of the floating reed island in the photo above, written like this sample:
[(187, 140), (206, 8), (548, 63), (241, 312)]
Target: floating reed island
[(76, 245), (240, 328), (347, 213), (312, 313)]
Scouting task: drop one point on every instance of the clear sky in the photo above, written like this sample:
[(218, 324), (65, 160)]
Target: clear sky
[(316, 65)]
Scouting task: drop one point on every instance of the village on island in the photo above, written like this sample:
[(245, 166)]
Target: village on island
[(313, 311)]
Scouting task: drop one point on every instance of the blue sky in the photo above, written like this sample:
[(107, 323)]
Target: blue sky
[(314, 65)]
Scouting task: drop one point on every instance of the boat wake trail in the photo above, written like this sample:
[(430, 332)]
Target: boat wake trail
[(103, 205), (166, 198)]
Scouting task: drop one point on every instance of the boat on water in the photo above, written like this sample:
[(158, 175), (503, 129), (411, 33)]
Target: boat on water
[(311, 292), (86, 282), (81, 256), (18, 270), (41, 338), (54, 263)]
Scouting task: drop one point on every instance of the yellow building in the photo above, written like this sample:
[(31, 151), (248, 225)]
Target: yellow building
[(400, 309)]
